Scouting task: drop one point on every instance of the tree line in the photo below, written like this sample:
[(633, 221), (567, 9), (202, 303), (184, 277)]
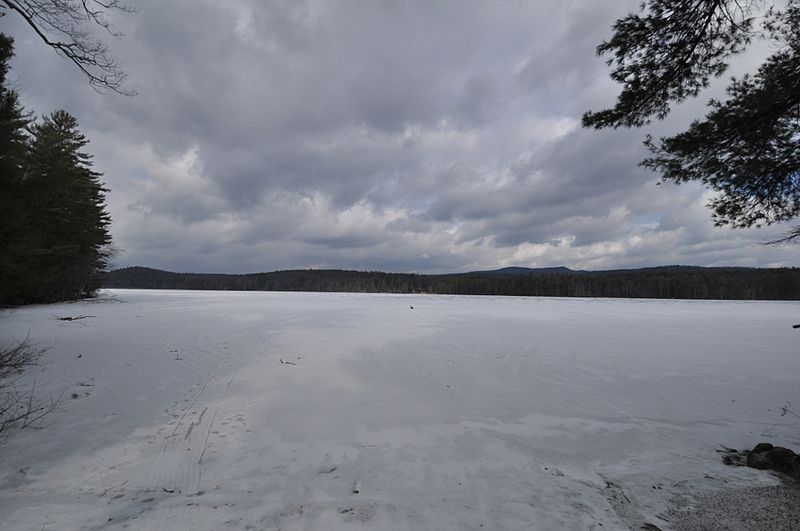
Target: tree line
[(657, 283), (54, 236)]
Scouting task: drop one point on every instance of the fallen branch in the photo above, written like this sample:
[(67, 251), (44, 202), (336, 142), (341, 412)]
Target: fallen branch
[(76, 318)]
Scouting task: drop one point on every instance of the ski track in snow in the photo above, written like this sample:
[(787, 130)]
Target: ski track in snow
[(212, 410)]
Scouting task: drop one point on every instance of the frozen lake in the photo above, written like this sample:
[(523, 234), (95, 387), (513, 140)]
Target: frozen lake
[(249, 410)]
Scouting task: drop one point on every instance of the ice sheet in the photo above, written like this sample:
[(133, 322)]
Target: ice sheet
[(215, 410)]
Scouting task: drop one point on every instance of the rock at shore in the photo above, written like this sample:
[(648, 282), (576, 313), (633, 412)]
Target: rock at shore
[(765, 456), (768, 457)]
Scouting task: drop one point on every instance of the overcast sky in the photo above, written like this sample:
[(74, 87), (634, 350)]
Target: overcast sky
[(399, 136)]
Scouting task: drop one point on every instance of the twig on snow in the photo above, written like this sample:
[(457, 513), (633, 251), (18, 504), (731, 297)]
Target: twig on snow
[(76, 318)]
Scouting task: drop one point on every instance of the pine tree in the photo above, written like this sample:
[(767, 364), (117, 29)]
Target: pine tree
[(746, 147), (13, 148), (69, 223), (53, 224)]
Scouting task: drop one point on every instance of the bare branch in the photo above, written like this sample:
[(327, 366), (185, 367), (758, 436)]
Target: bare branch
[(63, 25), (791, 236)]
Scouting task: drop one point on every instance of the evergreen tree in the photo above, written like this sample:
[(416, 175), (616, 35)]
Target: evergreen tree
[(53, 224), (746, 148), (68, 220), (13, 148)]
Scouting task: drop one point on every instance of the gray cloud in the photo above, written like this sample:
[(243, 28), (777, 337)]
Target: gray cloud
[(436, 136)]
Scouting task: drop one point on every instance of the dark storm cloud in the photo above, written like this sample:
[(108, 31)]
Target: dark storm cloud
[(429, 136)]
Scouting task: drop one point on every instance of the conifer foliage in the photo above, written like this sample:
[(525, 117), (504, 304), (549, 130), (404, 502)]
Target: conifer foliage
[(13, 151), (54, 233), (747, 147)]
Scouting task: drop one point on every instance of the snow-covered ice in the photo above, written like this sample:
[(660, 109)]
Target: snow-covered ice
[(223, 410)]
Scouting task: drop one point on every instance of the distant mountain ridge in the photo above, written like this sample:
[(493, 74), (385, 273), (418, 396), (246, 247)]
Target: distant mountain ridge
[(516, 270), (671, 282)]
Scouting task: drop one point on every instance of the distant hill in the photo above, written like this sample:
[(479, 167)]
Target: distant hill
[(666, 282), (511, 271)]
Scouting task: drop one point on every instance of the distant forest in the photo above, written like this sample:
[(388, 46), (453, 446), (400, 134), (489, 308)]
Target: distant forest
[(669, 282)]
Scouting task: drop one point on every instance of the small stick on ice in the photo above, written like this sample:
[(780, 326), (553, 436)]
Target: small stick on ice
[(75, 318)]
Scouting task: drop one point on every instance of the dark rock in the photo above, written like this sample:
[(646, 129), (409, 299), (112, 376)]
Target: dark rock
[(762, 447), (768, 457), (759, 460), (783, 460)]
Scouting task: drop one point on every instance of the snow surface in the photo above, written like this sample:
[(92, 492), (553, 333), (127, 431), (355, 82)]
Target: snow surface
[(217, 410)]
